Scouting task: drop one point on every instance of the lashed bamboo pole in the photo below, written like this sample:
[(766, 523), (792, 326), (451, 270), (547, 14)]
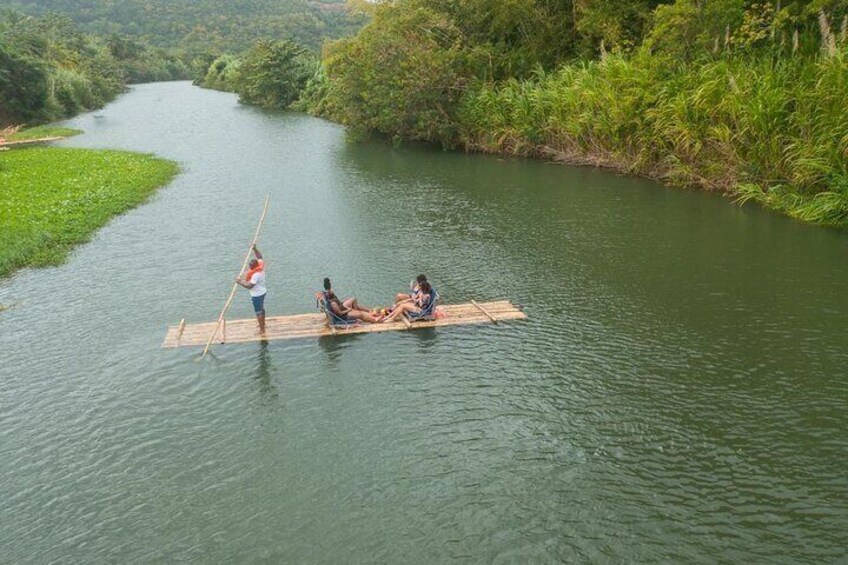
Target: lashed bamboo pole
[(241, 272), (485, 312), (180, 330)]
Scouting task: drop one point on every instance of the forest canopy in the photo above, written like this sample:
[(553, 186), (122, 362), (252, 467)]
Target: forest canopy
[(206, 25), (49, 69)]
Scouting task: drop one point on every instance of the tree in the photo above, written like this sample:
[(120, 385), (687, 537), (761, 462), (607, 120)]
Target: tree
[(689, 28), (23, 87), (620, 24), (402, 75), (517, 36), (273, 73)]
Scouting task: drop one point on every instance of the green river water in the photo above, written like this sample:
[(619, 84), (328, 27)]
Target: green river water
[(677, 395)]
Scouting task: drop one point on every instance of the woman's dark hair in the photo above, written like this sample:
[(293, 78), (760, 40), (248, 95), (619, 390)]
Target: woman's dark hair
[(425, 287), (420, 279), (326, 283)]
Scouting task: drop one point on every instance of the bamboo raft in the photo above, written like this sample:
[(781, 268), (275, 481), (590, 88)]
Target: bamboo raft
[(315, 325)]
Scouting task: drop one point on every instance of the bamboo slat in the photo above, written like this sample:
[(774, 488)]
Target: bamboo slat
[(315, 325)]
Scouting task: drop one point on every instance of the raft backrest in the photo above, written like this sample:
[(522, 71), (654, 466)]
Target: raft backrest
[(333, 319)]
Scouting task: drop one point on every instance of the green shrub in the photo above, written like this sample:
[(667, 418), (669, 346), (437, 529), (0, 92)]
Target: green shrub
[(273, 73)]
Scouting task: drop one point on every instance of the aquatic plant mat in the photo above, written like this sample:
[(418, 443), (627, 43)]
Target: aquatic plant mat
[(315, 325)]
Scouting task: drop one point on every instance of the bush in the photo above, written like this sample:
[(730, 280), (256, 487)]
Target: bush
[(273, 73), (23, 88), (403, 76), (221, 74)]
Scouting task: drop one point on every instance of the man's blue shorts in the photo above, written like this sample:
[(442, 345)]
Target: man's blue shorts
[(258, 304)]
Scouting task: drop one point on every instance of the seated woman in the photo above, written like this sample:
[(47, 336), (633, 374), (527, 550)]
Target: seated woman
[(414, 307), (415, 290), (348, 309)]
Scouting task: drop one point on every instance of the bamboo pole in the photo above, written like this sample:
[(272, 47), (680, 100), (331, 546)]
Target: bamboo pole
[(235, 284), (180, 330), (492, 318)]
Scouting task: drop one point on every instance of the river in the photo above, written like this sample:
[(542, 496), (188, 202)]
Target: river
[(678, 393)]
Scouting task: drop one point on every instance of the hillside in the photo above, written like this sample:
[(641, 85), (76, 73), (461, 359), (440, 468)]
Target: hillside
[(204, 24)]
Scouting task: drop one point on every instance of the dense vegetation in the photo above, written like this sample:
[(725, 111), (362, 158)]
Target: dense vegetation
[(734, 95), (54, 66), (742, 96), (54, 198), (50, 70), (271, 74), (212, 26)]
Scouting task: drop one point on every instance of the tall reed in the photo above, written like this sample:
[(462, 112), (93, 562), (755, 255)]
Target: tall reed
[(760, 127)]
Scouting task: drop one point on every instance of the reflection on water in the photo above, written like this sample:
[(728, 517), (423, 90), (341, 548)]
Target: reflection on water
[(677, 395), (425, 338), (334, 347), (264, 371)]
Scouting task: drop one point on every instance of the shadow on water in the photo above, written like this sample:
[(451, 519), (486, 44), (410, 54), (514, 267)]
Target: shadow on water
[(426, 338), (334, 346)]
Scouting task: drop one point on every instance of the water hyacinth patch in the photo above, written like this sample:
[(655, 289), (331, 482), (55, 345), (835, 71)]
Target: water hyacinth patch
[(55, 198)]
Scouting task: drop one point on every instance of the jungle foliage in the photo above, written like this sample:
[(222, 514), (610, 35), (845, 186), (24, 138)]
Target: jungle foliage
[(50, 70), (746, 97), (212, 26), (271, 74)]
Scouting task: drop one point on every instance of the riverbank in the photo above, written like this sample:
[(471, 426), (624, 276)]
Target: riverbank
[(56, 198), (760, 130), (747, 101), (757, 129), (40, 132)]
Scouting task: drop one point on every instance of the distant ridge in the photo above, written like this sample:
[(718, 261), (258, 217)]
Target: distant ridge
[(227, 25)]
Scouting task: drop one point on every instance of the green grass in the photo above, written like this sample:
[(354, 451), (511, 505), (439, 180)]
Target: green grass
[(54, 198), (43, 131)]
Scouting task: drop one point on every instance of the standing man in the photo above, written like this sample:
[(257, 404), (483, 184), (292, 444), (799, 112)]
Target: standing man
[(254, 281)]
